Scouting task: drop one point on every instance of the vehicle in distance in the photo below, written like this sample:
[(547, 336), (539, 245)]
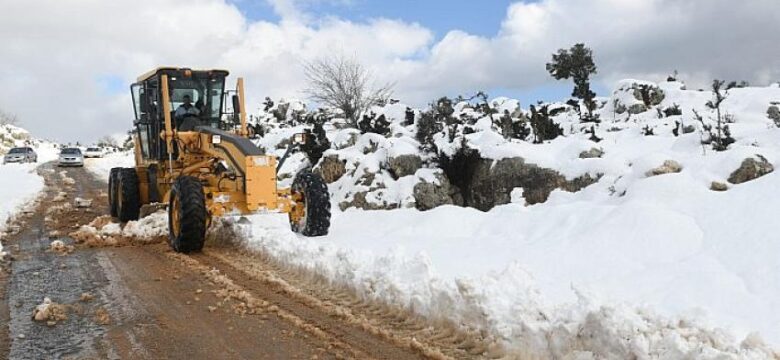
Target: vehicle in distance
[(70, 157), (93, 152), (20, 155)]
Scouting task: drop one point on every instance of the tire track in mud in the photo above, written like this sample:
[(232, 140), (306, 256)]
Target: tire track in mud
[(298, 291)]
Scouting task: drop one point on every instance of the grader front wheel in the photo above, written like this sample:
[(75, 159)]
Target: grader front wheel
[(310, 215), (187, 215)]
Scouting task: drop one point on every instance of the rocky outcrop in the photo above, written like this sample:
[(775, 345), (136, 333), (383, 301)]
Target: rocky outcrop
[(404, 165), (428, 195), (493, 181), (751, 168), (668, 167), (637, 97), (331, 168)]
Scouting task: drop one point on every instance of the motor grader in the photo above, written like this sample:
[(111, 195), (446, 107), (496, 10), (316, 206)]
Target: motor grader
[(200, 163)]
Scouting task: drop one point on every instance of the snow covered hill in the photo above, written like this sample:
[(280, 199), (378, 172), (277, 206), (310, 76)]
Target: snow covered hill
[(639, 239), (622, 238)]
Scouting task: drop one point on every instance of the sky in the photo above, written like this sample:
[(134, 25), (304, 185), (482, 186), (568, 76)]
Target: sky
[(66, 66)]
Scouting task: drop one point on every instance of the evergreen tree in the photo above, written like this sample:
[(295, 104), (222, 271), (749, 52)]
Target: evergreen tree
[(576, 64)]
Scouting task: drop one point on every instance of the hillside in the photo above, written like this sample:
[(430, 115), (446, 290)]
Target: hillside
[(629, 229)]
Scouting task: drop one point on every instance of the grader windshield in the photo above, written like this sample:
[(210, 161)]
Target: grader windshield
[(205, 94)]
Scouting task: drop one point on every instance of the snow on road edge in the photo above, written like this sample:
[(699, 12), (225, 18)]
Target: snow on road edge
[(19, 185), (586, 327)]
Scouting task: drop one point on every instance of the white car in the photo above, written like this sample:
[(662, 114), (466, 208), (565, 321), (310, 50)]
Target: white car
[(70, 157), (93, 152)]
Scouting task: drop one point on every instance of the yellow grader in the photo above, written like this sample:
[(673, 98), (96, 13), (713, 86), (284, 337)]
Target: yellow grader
[(195, 157)]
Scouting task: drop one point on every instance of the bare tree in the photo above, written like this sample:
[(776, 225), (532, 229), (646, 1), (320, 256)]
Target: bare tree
[(107, 141), (345, 84), (7, 118)]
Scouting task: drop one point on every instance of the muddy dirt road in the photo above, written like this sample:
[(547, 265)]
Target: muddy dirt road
[(147, 302)]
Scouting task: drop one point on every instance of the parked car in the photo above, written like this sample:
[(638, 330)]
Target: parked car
[(93, 152), (20, 155), (71, 157)]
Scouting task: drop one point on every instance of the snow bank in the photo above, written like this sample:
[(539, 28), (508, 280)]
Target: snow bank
[(19, 184), (632, 266), (101, 167)]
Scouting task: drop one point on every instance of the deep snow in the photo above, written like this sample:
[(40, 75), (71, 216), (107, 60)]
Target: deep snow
[(632, 265)]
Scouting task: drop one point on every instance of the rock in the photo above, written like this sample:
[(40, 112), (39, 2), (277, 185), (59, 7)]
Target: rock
[(428, 195), (718, 186), (404, 165), (643, 96), (668, 167), (751, 168), (493, 181), (331, 168), (592, 153), (360, 201), (773, 113)]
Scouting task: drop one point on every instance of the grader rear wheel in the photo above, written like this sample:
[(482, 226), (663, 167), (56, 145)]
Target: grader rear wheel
[(187, 215), (127, 195), (113, 181), (310, 215)]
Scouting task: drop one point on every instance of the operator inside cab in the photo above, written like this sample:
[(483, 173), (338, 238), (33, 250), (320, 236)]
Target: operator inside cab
[(186, 115)]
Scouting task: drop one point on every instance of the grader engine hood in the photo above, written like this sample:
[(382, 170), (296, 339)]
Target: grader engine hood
[(257, 169)]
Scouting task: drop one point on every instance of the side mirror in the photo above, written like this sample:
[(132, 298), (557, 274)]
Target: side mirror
[(236, 105), (299, 139)]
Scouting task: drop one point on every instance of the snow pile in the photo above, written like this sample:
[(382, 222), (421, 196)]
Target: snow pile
[(636, 264), (19, 184), (101, 167), (50, 312), (103, 232)]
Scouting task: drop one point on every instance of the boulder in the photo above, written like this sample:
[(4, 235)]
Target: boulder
[(718, 186), (404, 165), (668, 167), (428, 195), (751, 168), (331, 168), (773, 113), (592, 153)]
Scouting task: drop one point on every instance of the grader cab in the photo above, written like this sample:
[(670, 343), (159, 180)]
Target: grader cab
[(194, 156)]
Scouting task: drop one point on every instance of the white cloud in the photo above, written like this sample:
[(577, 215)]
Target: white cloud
[(54, 53)]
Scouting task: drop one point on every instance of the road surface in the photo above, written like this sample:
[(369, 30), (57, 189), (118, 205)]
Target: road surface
[(147, 302)]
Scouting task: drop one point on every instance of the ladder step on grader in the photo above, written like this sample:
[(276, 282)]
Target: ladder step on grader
[(195, 158)]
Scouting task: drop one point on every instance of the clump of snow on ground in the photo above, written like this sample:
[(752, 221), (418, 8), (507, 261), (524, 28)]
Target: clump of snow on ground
[(103, 232)]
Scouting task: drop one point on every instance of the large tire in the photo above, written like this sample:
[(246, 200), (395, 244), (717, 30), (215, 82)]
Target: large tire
[(128, 195), (113, 181), (311, 192), (187, 215)]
